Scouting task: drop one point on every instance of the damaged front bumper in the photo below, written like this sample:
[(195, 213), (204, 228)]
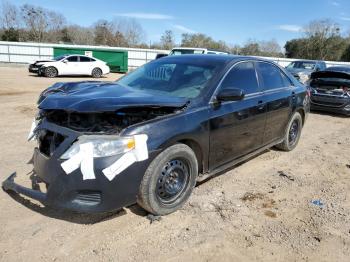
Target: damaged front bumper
[(71, 191), (338, 105)]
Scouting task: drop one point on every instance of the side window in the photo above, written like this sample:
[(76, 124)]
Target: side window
[(271, 76), (72, 59), (242, 76), (286, 80), (84, 59)]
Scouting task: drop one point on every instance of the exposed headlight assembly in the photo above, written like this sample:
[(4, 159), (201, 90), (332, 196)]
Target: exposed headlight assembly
[(103, 145), (303, 78)]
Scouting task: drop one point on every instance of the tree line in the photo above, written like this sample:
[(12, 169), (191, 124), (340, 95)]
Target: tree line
[(321, 39)]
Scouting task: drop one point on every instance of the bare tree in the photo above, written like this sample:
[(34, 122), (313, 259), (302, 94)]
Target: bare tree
[(133, 32), (104, 32), (36, 22), (78, 35), (9, 22), (9, 16), (167, 40), (321, 35), (128, 32), (271, 47), (56, 24)]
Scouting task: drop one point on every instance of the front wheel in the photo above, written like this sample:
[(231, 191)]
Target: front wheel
[(293, 132), (169, 180), (50, 72)]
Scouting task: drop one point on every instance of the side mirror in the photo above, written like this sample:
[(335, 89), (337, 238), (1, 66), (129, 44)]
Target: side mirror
[(65, 61), (230, 94)]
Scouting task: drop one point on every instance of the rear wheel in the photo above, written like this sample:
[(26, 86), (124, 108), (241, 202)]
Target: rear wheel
[(51, 72), (96, 73), (293, 132), (169, 180)]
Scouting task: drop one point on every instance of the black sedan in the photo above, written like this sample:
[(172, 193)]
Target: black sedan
[(330, 90), (150, 136)]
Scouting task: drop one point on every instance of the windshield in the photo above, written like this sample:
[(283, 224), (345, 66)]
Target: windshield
[(178, 79), (302, 65), (58, 58), (186, 52)]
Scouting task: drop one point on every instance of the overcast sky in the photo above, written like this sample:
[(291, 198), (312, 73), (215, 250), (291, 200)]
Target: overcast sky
[(232, 21)]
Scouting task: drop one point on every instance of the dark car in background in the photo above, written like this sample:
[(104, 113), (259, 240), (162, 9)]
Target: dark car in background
[(302, 69), (330, 90), (150, 136)]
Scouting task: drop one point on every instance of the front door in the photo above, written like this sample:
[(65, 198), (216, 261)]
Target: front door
[(237, 127), (70, 66)]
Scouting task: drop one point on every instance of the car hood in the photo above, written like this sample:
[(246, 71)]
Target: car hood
[(44, 61), (330, 74), (299, 70), (94, 96)]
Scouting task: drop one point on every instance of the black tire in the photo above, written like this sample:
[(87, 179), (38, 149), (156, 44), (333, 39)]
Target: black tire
[(165, 186), (51, 72), (96, 72), (292, 134)]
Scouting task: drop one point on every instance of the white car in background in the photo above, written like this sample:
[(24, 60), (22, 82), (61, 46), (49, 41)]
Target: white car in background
[(195, 50), (71, 65)]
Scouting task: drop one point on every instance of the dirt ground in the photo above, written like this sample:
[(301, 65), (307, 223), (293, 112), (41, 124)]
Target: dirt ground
[(261, 210)]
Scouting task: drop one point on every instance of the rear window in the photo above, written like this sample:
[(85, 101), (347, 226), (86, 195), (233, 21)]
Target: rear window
[(85, 59), (271, 76), (242, 76)]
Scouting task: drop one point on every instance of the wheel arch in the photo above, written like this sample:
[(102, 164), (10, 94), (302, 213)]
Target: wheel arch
[(301, 111), (54, 66), (97, 67), (195, 146)]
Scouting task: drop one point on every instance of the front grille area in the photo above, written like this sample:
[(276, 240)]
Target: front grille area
[(49, 141), (88, 197)]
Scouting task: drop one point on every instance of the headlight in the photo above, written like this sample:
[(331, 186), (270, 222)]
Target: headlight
[(103, 145), (303, 78)]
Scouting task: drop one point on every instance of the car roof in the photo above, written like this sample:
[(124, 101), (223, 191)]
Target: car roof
[(214, 58), (189, 48)]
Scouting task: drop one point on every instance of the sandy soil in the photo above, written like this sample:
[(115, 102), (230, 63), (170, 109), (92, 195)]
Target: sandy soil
[(261, 210)]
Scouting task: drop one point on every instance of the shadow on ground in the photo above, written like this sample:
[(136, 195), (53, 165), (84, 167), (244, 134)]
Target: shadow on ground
[(69, 216)]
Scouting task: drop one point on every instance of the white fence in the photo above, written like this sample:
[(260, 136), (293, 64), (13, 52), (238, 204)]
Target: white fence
[(19, 52)]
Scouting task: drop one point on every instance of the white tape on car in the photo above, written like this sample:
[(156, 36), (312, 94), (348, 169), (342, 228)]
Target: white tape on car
[(139, 153), (84, 160), (87, 162), (31, 135), (72, 163), (118, 166)]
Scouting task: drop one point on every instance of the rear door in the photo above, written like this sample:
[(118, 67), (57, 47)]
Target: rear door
[(278, 95), (86, 65), (237, 127)]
